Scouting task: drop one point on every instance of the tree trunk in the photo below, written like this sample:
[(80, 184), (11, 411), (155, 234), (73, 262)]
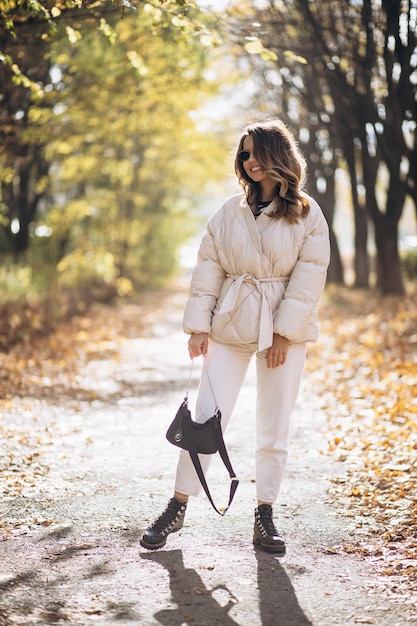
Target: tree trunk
[(20, 196), (335, 270), (361, 261), (389, 277), (327, 201), (388, 267)]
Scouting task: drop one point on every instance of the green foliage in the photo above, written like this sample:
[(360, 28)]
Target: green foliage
[(129, 162), (30, 33), (15, 281), (409, 263), (105, 111), (84, 269)]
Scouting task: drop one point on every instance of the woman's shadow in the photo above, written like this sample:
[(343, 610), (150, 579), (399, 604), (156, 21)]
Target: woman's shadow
[(197, 605), (278, 603)]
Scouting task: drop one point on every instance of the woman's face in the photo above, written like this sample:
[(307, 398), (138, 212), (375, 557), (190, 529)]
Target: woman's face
[(252, 166)]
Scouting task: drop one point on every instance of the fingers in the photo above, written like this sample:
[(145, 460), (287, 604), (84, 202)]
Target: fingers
[(277, 353), (194, 352), (198, 344), (275, 359)]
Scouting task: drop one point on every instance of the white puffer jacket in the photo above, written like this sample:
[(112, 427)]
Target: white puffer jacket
[(254, 278)]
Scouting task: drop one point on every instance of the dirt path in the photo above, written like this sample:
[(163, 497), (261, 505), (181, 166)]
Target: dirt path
[(70, 552)]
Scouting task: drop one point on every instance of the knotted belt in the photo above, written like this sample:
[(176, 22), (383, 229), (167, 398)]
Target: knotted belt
[(266, 323)]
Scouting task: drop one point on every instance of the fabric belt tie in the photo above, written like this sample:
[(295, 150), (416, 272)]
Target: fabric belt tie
[(266, 323)]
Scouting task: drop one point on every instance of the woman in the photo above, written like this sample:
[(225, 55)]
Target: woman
[(255, 289)]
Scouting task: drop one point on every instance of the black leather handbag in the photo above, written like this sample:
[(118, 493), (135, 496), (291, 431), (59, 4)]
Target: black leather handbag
[(205, 438)]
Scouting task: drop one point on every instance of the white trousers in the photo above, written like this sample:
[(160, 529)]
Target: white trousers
[(277, 390)]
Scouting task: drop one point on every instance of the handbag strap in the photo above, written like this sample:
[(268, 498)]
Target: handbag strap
[(189, 384), (187, 393), (222, 451), (225, 458)]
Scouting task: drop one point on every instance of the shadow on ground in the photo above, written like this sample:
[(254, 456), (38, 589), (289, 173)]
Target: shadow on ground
[(198, 604)]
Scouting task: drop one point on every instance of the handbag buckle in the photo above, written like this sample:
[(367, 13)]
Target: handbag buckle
[(178, 436)]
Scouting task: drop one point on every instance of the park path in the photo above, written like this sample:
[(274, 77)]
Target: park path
[(70, 552)]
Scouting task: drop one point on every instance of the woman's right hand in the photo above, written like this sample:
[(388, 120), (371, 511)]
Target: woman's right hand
[(198, 344)]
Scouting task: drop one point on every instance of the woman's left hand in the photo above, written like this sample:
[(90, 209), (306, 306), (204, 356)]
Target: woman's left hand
[(277, 354)]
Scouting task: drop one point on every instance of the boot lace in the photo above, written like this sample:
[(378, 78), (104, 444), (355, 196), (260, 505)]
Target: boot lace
[(169, 517), (266, 522)]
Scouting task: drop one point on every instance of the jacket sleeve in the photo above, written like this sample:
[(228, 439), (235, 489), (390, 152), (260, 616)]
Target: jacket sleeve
[(296, 317), (206, 283)]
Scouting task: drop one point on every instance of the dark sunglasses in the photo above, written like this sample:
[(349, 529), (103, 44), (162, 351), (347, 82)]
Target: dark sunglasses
[(244, 155)]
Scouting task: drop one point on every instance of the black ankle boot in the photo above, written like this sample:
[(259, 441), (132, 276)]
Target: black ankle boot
[(170, 520), (265, 534)]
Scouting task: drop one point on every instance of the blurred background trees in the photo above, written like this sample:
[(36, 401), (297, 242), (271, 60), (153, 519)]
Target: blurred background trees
[(344, 74), (102, 160), (117, 120)]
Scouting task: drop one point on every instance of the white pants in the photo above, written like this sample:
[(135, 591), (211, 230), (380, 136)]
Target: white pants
[(277, 390)]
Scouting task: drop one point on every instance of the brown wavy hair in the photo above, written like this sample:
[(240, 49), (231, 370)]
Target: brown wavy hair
[(278, 154)]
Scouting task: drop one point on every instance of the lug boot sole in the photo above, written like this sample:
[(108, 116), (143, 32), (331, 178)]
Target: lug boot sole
[(156, 546), (161, 544), (277, 549)]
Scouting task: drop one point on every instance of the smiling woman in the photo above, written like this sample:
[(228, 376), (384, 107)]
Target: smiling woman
[(261, 268), (255, 171), (269, 165)]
